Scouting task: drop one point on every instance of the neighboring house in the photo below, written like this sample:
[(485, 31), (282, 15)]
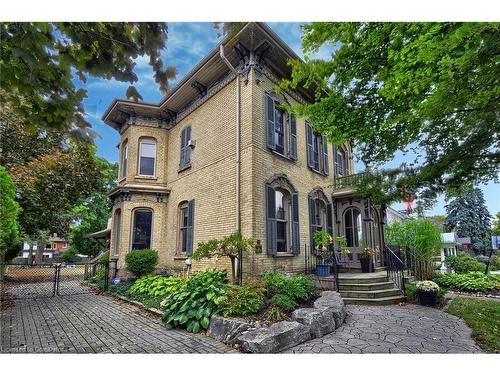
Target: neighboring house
[(218, 154), (465, 244), (395, 215), (53, 248)]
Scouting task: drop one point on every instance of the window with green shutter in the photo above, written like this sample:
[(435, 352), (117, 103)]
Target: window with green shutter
[(281, 129), (282, 219), (185, 157), (317, 151)]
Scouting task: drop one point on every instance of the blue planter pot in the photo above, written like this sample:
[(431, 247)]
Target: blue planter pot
[(322, 270)]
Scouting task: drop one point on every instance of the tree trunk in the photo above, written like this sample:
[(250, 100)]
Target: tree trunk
[(40, 247)]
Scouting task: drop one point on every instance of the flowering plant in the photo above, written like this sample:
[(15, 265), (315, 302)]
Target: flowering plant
[(427, 286), (367, 252)]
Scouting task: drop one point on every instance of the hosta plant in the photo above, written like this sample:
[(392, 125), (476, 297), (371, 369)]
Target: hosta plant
[(157, 285), (427, 286), (193, 303)]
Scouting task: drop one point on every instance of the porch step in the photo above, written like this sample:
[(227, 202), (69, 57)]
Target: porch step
[(374, 301), (361, 280), (370, 294), (366, 286)]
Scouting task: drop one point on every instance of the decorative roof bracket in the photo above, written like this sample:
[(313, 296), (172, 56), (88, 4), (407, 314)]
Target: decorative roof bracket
[(201, 88)]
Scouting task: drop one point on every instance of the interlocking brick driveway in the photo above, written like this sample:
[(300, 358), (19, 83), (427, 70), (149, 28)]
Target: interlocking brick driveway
[(90, 323), (395, 329)]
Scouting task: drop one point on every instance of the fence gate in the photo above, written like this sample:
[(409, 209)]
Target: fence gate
[(35, 281)]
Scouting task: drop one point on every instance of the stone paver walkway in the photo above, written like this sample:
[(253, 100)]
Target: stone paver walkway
[(91, 323), (395, 329)]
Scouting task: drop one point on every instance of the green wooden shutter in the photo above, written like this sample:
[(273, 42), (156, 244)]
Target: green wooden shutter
[(293, 137), (187, 149), (295, 224), (335, 161), (329, 218), (270, 121), (190, 228), (310, 150), (312, 220), (325, 155), (183, 141), (271, 221)]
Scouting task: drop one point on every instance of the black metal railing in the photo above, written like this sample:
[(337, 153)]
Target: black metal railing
[(347, 181), (416, 266), (395, 268), (326, 257)]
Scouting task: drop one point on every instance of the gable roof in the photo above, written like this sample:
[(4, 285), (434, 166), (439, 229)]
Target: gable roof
[(207, 72)]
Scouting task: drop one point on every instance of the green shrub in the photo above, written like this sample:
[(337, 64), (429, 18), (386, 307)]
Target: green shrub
[(123, 288), (141, 262), (463, 263), (104, 259), (410, 291), (283, 301), (470, 282), (156, 286), (194, 302), (275, 314), (69, 256), (495, 263), (298, 288), (241, 300)]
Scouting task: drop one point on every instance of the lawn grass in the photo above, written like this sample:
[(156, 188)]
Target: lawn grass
[(483, 316)]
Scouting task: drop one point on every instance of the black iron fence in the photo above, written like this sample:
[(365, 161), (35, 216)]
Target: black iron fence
[(415, 265), (47, 280)]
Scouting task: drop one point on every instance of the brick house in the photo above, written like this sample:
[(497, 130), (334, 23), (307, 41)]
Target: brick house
[(217, 154)]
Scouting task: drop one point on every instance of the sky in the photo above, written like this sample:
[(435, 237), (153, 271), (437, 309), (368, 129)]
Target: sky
[(187, 44)]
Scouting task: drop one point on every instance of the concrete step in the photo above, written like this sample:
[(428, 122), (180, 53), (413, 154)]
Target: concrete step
[(361, 280), (370, 294), (374, 301), (367, 286)]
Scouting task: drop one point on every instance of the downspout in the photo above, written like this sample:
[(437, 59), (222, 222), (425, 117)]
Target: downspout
[(238, 157), (238, 132)]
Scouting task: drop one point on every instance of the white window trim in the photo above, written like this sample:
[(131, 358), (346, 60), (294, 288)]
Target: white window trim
[(150, 141)]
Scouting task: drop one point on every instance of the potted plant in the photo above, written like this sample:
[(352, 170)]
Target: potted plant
[(427, 292), (342, 248), (366, 260), (322, 240)]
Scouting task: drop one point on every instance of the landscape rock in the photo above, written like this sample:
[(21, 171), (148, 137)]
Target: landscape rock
[(227, 329), (320, 322), (273, 339), (331, 303)]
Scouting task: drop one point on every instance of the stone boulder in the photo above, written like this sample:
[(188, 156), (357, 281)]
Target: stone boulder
[(331, 303), (320, 322), (227, 329), (279, 336)]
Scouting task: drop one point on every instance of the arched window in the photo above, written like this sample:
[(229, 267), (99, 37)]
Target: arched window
[(142, 225), (320, 213), (282, 217), (353, 227), (147, 157), (117, 228), (124, 158), (283, 229)]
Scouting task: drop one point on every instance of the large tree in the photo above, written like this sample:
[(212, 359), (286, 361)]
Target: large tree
[(430, 90), (52, 171), (92, 215), (466, 213), (495, 227), (39, 61), (9, 211)]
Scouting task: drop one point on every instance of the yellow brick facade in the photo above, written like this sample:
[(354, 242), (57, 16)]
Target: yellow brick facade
[(210, 180)]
